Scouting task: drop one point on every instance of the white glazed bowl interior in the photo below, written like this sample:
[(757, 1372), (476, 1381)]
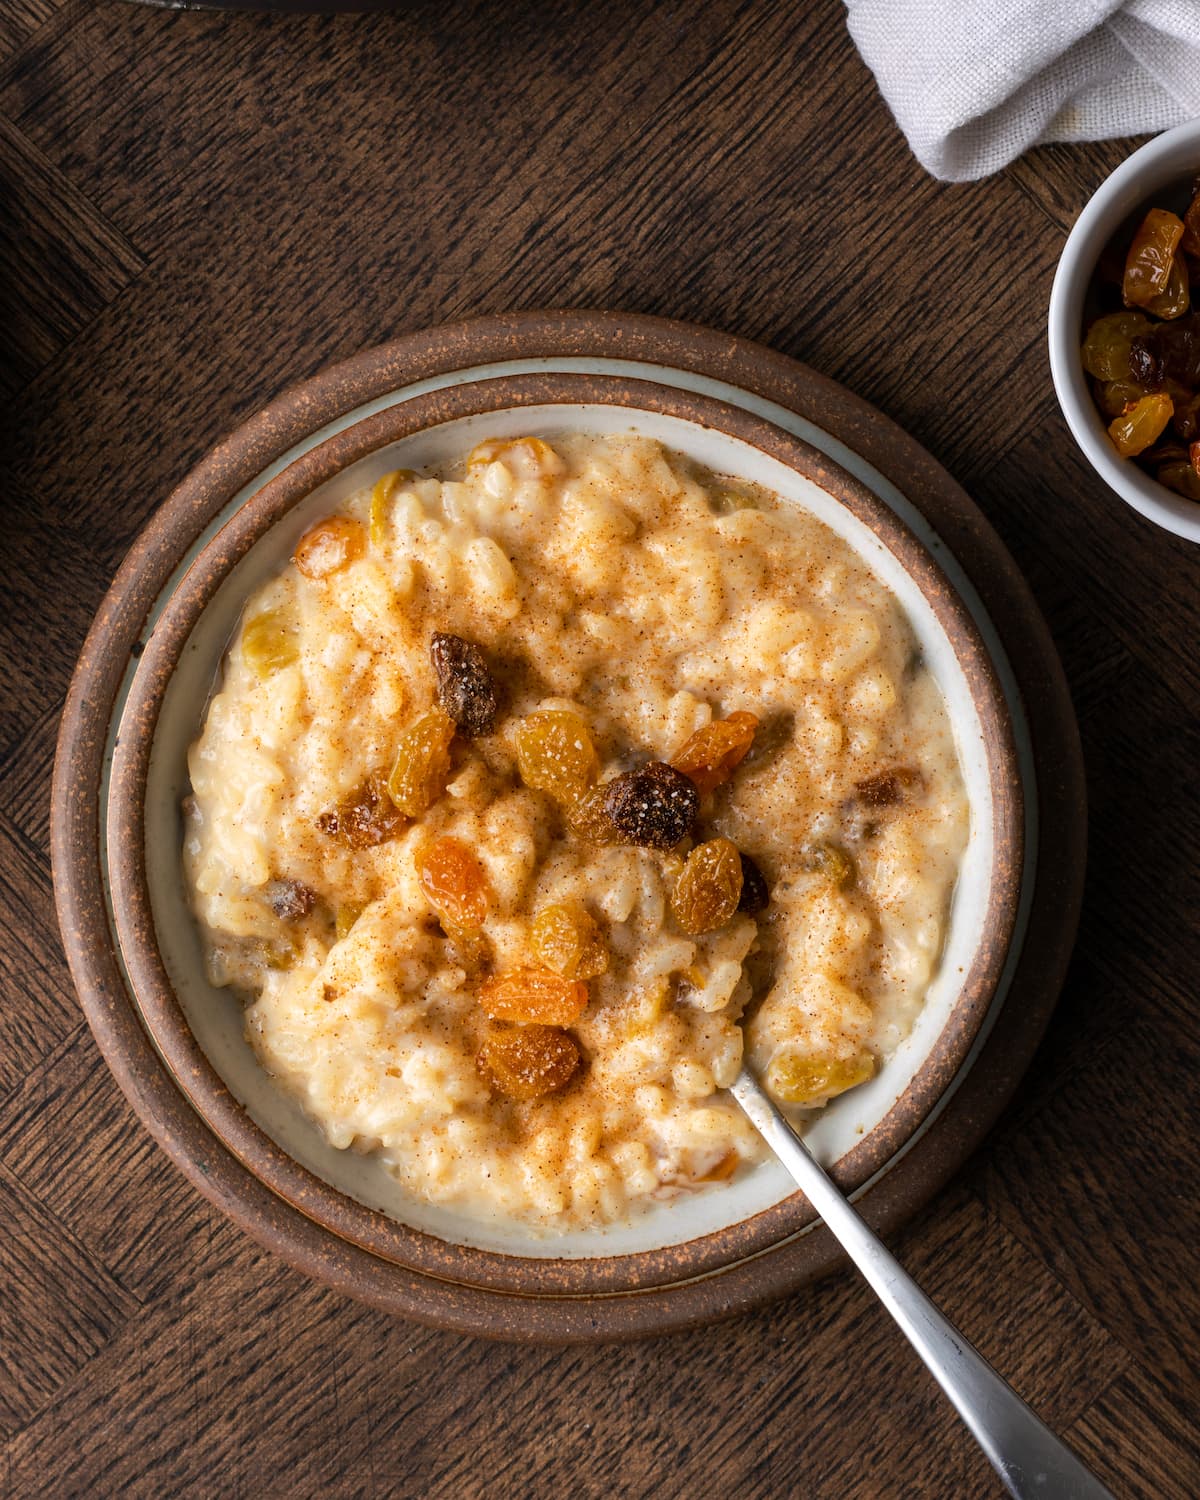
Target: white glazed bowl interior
[(1162, 163), (215, 1016)]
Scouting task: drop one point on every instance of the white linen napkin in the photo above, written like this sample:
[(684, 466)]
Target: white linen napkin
[(973, 83)]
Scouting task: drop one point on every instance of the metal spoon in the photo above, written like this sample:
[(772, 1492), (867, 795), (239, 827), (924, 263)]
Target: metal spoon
[(1028, 1457)]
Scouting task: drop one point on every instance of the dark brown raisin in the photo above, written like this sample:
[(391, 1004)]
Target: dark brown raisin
[(1145, 366), (291, 901), (1187, 419), (887, 788), (366, 818), (653, 806), (756, 894), (466, 688), (1175, 347)]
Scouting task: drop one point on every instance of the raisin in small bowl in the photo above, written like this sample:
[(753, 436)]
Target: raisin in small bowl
[(1123, 347)]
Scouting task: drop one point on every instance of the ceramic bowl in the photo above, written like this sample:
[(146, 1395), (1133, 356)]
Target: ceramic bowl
[(1169, 162), (198, 1030), (117, 779)]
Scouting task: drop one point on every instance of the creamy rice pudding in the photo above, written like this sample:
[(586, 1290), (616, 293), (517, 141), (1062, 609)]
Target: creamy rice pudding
[(532, 794)]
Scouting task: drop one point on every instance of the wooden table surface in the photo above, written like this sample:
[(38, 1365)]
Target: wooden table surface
[(205, 208)]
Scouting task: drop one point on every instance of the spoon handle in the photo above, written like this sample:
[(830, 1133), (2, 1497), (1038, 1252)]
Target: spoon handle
[(1030, 1460)]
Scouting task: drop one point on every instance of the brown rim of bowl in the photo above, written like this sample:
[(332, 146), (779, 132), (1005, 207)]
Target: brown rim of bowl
[(164, 1018), (695, 351)]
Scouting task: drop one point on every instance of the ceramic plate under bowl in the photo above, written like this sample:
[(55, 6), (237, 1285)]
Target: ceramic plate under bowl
[(234, 521)]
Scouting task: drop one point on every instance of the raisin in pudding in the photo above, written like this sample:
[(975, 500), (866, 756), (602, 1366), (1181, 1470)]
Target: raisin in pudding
[(534, 793)]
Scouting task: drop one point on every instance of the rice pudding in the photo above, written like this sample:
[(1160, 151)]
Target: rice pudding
[(533, 793)]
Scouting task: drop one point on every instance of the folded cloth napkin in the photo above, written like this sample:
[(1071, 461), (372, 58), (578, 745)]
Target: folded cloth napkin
[(973, 83)]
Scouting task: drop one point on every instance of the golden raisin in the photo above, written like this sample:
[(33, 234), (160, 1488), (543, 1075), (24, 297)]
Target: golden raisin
[(381, 497), (829, 861), (454, 883), (530, 1062), (1181, 477), (653, 806), (709, 887), (1145, 422), (711, 755), (466, 688), (366, 818), (587, 819), (555, 754), (283, 953), (796, 1079), (422, 763), (268, 643), (1178, 467), (534, 995), (344, 918), (566, 939), (1114, 397), (1176, 297), (1151, 255), (328, 546), (1105, 351)]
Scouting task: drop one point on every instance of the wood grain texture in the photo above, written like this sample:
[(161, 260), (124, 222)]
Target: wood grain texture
[(213, 206), (64, 260), (19, 19)]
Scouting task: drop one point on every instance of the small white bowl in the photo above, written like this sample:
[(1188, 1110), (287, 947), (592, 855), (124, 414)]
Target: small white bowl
[(1162, 163)]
